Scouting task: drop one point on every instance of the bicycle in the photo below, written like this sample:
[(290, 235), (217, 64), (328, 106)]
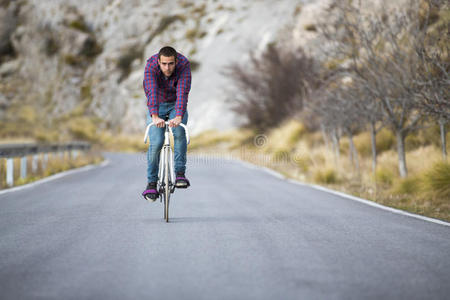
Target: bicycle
[(166, 173)]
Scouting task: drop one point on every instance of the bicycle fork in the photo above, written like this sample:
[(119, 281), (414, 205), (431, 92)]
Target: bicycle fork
[(167, 154)]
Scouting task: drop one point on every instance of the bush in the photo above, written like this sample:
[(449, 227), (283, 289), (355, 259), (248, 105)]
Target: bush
[(270, 88), (328, 176), (384, 176), (167, 21), (301, 161), (385, 140), (127, 58), (27, 115), (79, 24), (296, 131), (344, 145), (191, 34), (195, 65), (200, 10), (310, 27), (46, 136), (194, 33), (363, 143), (51, 45), (73, 60), (83, 128), (285, 136), (430, 135), (412, 141), (408, 186), (91, 48), (186, 4), (437, 180)]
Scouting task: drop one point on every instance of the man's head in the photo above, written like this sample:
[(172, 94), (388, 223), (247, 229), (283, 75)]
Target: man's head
[(167, 59)]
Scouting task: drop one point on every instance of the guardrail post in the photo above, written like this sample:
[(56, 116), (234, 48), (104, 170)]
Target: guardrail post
[(10, 172), (39, 154), (45, 161), (23, 167), (34, 164)]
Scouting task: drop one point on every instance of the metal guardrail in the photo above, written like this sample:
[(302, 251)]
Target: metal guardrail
[(22, 151), (18, 150)]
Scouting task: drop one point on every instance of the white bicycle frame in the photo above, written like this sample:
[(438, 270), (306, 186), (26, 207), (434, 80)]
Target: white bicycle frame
[(166, 150), (166, 181)]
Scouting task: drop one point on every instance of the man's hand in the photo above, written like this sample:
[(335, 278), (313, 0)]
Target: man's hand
[(157, 121), (175, 121)]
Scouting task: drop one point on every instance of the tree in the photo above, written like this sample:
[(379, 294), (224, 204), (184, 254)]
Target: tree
[(380, 54), (433, 83), (340, 112), (271, 87)]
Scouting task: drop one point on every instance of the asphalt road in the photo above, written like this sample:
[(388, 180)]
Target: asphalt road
[(237, 233)]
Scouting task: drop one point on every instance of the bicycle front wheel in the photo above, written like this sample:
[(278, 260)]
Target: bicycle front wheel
[(166, 185)]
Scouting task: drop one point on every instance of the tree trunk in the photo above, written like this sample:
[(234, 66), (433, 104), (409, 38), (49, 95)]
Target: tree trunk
[(350, 150), (335, 139), (442, 124), (400, 135), (373, 139), (353, 153), (324, 136)]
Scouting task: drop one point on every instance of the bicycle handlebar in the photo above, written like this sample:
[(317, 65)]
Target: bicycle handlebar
[(147, 130)]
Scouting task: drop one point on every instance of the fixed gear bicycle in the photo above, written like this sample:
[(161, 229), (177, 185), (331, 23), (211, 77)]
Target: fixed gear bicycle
[(166, 173)]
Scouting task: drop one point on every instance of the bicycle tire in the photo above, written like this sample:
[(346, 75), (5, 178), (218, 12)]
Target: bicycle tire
[(166, 185)]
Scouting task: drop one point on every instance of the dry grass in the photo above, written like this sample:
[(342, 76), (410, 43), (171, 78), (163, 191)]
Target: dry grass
[(122, 143), (285, 136), (212, 139), (13, 140), (296, 153)]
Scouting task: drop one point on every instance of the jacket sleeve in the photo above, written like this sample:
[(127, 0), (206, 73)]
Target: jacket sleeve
[(151, 89), (183, 88)]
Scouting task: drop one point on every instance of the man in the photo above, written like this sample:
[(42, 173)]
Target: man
[(167, 82)]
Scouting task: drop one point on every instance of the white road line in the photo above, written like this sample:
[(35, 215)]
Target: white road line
[(344, 195), (53, 177)]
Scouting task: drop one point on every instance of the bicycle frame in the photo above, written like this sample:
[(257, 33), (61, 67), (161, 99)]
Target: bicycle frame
[(166, 154), (166, 173)]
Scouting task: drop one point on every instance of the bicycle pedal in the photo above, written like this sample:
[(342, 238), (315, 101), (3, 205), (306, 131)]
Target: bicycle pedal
[(149, 199), (182, 185)]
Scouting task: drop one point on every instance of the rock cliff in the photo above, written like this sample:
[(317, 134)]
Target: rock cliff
[(88, 56)]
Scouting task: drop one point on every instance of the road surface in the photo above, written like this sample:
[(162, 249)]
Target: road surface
[(237, 233)]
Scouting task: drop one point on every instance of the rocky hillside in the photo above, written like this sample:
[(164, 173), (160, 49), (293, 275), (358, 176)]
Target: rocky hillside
[(81, 62)]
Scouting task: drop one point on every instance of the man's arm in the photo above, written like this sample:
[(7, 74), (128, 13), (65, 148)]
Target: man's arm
[(151, 88), (151, 91), (183, 88)]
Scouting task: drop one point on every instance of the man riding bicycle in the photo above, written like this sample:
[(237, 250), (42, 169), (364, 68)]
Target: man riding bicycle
[(167, 82)]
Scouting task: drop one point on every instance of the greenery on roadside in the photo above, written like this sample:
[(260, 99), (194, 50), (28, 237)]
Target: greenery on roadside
[(303, 155), (367, 112), (380, 73)]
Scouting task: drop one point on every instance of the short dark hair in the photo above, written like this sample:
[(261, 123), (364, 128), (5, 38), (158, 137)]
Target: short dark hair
[(168, 52)]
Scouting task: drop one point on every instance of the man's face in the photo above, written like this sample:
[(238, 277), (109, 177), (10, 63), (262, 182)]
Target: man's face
[(167, 64)]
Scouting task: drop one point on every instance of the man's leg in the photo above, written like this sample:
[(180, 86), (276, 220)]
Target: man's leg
[(156, 137), (180, 145), (156, 140)]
